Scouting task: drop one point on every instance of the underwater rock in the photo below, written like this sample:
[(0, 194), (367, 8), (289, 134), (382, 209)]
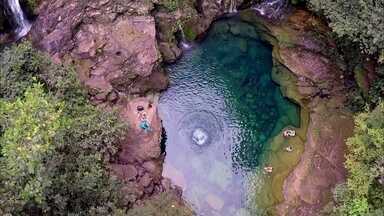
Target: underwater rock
[(214, 202), (220, 174), (176, 175)]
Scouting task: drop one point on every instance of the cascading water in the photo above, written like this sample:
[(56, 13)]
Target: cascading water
[(183, 42), (22, 23), (272, 9), (232, 7)]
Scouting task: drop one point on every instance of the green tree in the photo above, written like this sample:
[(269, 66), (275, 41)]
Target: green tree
[(54, 145), (360, 21), (31, 124), (21, 66), (364, 191)]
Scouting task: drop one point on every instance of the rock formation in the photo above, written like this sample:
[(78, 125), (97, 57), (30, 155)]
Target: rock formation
[(113, 46), (303, 51), (111, 43)]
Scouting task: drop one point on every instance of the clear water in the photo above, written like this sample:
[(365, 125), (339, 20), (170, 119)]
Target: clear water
[(219, 113)]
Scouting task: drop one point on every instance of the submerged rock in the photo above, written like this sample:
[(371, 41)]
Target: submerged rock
[(215, 202)]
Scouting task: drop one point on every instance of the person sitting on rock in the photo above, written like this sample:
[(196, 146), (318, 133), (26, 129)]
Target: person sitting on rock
[(268, 169), (144, 124), (289, 133)]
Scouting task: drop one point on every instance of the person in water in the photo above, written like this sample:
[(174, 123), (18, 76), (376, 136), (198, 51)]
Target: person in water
[(268, 169), (289, 149)]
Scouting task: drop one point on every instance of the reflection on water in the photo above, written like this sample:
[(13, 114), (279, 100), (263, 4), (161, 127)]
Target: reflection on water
[(219, 113)]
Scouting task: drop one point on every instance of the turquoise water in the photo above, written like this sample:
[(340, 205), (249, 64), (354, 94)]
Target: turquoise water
[(219, 113)]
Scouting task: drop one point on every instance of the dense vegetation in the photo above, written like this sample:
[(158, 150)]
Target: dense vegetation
[(363, 194), (53, 144), (359, 21)]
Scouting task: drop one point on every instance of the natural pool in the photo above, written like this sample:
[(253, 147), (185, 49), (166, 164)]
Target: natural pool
[(220, 112)]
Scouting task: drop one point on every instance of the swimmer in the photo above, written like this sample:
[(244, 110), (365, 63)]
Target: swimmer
[(289, 149)]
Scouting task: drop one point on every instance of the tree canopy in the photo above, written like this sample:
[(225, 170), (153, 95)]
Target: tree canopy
[(360, 21), (363, 194)]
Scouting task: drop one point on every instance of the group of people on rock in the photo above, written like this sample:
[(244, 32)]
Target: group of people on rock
[(286, 133)]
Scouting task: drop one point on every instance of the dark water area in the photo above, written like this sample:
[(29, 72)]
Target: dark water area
[(219, 114)]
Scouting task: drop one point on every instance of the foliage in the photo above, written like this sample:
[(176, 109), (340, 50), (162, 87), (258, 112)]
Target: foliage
[(360, 21), (32, 3), (376, 91), (21, 65), (189, 32), (356, 101), (30, 6), (53, 144), (31, 125), (364, 191), (171, 5), (162, 204)]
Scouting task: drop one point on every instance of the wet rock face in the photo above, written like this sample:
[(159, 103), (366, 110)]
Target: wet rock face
[(303, 45), (194, 19), (112, 43)]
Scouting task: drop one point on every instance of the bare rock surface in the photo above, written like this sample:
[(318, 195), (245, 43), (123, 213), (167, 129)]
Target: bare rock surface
[(140, 158), (111, 43)]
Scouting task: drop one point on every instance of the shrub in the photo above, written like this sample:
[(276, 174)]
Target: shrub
[(162, 204), (21, 65)]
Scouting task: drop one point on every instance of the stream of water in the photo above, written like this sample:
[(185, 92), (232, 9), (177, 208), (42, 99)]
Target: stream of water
[(219, 114), (22, 24)]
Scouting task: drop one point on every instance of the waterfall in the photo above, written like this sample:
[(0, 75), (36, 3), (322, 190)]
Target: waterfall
[(232, 7), (22, 24), (183, 42), (272, 9)]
